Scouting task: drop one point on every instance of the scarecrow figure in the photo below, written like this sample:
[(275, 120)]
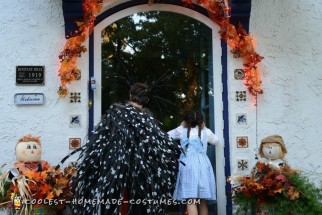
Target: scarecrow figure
[(272, 150), (28, 154)]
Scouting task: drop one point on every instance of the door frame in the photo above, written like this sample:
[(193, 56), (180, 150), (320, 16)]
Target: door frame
[(107, 18)]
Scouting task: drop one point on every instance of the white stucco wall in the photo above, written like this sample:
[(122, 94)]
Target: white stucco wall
[(288, 35), (32, 33)]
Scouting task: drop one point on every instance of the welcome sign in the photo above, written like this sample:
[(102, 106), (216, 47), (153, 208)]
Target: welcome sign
[(29, 98)]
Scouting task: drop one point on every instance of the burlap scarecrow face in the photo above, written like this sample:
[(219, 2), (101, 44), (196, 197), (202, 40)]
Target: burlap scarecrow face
[(272, 151), (272, 147)]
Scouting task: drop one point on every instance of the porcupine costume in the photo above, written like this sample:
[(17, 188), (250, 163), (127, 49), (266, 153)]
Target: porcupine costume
[(127, 152)]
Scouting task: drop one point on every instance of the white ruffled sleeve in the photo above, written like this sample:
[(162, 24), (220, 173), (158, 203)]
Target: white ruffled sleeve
[(176, 133), (212, 138)]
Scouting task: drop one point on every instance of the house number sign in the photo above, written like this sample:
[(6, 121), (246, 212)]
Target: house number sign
[(30, 75)]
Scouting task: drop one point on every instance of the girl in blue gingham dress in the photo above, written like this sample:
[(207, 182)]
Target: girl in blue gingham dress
[(196, 178)]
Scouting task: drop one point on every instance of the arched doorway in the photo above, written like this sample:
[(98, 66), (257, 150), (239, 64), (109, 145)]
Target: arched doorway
[(213, 75)]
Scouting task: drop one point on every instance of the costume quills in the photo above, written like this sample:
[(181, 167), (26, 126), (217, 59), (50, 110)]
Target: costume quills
[(127, 152)]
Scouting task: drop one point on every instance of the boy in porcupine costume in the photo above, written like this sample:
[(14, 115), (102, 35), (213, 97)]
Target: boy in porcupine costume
[(128, 153)]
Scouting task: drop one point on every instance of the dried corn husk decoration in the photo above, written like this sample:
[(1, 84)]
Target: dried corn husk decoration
[(21, 182)]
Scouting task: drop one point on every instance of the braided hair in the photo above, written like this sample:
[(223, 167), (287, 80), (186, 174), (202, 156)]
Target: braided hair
[(193, 118)]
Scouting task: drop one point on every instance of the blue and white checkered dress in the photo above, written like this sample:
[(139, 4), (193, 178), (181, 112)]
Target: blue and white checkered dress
[(196, 179)]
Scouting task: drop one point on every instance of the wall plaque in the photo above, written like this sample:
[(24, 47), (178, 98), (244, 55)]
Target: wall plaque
[(30, 75), (29, 98)]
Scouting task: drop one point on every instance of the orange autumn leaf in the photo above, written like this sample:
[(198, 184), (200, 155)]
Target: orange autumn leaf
[(278, 190), (258, 186), (39, 195), (33, 175), (293, 194), (14, 188), (46, 167), (58, 192), (33, 187), (45, 188), (37, 177), (30, 174), (50, 195), (242, 188), (71, 171), (79, 23), (43, 174), (260, 166), (62, 182)]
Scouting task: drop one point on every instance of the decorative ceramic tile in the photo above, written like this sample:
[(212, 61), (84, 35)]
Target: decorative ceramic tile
[(242, 142), (74, 120), (74, 143), (74, 163), (75, 97), (239, 74), (240, 96), (241, 118), (242, 164)]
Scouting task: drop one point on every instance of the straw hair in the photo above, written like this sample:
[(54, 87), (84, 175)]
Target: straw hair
[(29, 138)]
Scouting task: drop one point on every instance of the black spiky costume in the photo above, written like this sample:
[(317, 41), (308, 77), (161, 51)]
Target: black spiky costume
[(128, 152)]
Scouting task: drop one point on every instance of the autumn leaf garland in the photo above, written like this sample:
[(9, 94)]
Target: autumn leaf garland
[(74, 46), (241, 44)]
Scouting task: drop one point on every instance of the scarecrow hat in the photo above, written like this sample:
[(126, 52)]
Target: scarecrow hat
[(273, 139)]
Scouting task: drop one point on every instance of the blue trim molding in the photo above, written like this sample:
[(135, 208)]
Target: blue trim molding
[(90, 91), (240, 12), (226, 124), (129, 4), (72, 11)]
